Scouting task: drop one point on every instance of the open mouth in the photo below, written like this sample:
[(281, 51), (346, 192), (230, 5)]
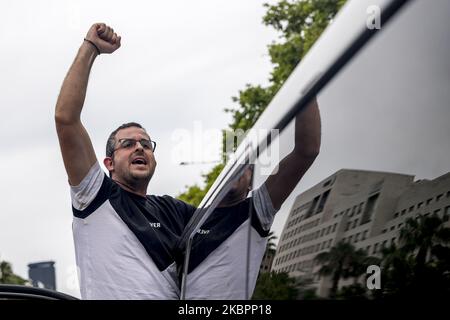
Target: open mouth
[(139, 161)]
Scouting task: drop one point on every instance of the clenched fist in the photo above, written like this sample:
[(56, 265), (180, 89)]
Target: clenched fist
[(104, 37)]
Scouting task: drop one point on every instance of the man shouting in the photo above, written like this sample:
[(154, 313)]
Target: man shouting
[(124, 238)]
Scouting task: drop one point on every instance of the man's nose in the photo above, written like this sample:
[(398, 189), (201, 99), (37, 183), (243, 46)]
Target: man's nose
[(139, 145)]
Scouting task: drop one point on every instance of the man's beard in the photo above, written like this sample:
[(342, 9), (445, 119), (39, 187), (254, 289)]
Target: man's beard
[(138, 180)]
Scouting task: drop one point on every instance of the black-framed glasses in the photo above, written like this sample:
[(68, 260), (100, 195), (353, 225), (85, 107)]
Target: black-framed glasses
[(128, 143)]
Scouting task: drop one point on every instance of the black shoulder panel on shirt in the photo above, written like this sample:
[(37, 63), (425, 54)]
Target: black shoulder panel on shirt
[(100, 198), (157, 222), (219, 226)]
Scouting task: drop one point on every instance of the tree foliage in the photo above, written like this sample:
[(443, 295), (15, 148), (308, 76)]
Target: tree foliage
[(343, 261), (418, 267), (299, 23), (275, 286), (7, 275)]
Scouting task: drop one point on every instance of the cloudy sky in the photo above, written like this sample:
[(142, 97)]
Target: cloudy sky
[(179, 65)]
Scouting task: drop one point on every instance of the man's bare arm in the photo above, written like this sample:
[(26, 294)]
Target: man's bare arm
[(76, 147), (307, 146)]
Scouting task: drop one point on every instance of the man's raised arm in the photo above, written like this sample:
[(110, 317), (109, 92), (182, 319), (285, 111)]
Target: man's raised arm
[(76, 147), (307, 146)]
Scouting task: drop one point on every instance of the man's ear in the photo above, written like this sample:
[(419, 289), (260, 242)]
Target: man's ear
[(109, 163)]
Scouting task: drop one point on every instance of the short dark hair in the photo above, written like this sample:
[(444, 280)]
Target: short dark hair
[(111, 143)]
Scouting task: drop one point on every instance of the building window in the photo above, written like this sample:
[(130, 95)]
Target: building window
[(357, 238), (400, 225), (368, 249), (364, 235), (327, 183), (355, 223), (411, 209), (375, 248), (323, 201), (446, 213), (396, 215), (384, 244), (437, 211), (439, 197), (334, 227), (392, 228), (448, 194), (350, 239), (383, 231), (312, 207), (403, 211), (392, 241), (419, 205), (429, 201), (360, 207)]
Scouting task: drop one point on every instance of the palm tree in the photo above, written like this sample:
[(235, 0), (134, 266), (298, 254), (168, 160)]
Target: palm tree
[(344, 261), (423, 235), (335, 262), (271, 246), (358, 263), (396, 266)]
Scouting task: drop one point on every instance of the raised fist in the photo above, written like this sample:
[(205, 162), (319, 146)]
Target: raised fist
[(104, 38)]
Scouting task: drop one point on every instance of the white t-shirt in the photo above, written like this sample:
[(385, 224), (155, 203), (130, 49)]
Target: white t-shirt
[(124, 242), (218, 259)]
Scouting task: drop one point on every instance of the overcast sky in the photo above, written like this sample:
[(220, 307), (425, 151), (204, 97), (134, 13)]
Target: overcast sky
[(179, 64)]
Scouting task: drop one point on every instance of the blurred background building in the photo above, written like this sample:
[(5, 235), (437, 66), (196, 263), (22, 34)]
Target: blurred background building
[(364, 208), (42, 274)]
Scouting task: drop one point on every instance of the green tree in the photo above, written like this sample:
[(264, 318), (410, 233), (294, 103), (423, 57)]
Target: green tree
[(396, 268), (275, 286), (299, 23), (357, 265), (341, 262), (421, 236), (7, 275), (420, 266)]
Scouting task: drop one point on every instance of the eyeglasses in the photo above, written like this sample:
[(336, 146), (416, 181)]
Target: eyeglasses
[(128, 143)]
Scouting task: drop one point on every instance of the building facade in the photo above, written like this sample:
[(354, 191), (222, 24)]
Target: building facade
[(364, 208), (42, 274)]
